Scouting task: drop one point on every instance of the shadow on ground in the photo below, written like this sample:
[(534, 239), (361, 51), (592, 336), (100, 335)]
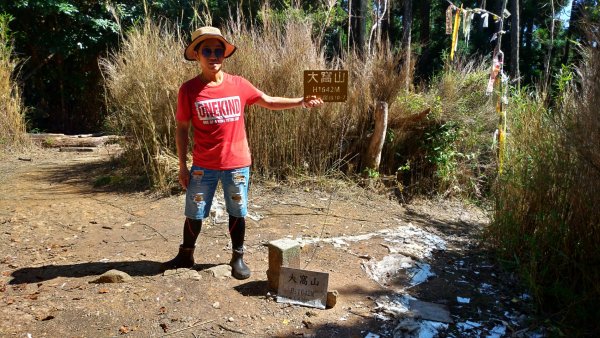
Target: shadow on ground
[(132, 268), (47, 272), (102, 175)]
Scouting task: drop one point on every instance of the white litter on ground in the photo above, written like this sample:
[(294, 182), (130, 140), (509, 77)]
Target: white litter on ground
[(463, 300), (372, 335), (420, 273), (468, 325), (429, 329), (339, 241), (497, 332), (407, 239), (390, 308), (389, 267), (486, 289)]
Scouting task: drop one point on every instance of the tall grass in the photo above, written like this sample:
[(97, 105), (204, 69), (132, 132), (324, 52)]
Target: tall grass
[(546, 218), (142, 81), (12, 111), (143, 77), (307, 141)]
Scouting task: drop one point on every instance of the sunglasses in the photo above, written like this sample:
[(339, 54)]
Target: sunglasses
[(218, 52)]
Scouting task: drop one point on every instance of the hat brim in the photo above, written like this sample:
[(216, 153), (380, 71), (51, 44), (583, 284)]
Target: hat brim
[(189, 50)]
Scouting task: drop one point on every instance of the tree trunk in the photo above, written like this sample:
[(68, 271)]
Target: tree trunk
[(373, 154), (515, 42), (385, 27), (358, 24), (575, 13), (424, 62), (425, 31), (548, 60), (407, 19)]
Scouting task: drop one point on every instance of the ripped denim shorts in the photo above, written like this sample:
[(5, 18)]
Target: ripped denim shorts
[(202, 187)]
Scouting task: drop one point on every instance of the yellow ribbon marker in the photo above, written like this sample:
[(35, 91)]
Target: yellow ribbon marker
[(455, 32)]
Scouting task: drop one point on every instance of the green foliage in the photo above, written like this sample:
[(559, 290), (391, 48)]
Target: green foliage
[(440, 147), (371, 173)]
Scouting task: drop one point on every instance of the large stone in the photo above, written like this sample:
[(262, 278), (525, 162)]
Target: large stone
[(220, 271), (282, 252), (183, 274), (112, 276)]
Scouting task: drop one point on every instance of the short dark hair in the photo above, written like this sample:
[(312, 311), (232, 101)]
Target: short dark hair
[(199, 44)]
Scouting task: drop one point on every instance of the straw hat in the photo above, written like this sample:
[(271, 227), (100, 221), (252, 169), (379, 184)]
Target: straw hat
[(202, 34)]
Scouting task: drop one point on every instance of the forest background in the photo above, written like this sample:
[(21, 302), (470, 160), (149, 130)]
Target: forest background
[(115, 66)]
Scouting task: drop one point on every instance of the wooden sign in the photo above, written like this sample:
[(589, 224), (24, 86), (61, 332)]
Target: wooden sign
[(303, 287), (329, 85)]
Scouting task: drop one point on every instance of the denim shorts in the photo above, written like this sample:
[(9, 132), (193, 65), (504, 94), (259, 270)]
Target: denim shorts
[(202, 186)]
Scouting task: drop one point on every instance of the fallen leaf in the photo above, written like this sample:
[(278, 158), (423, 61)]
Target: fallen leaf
[(103, 291), (164, 327), (123, 329), (10, 301), (162, 310), (48, 317)]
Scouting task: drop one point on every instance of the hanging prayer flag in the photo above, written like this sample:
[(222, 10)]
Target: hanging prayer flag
[(455, 33), (467, 25), (496, 66), (449, 20), (485, 17)]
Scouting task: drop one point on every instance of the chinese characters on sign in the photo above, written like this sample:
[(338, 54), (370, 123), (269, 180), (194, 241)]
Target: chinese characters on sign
[(329, 85), (303, 287)]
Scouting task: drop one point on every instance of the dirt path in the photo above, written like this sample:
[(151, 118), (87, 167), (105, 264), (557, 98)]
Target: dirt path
[(58, 233)]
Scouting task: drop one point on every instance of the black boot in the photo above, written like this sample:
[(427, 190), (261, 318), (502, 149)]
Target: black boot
[(184, 259), (237, 230), (239, 269)]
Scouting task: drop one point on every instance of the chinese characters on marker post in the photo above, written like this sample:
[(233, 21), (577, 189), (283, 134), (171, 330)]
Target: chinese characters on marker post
[(328, 84), (303, 280)]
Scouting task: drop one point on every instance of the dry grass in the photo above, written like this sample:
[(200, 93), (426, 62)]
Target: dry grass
[(298, 141), (142, 81), (13, 133)]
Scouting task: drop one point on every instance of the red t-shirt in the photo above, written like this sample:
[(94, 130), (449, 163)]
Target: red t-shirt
[(217, 115)]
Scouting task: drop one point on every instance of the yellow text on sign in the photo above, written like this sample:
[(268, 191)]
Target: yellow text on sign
[(329, 85)]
